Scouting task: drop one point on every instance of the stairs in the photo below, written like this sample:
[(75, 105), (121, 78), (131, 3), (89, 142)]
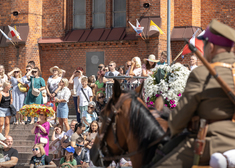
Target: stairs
[(23, 142)]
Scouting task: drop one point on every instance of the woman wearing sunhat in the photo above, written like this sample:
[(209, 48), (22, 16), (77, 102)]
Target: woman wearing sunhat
[(53, 82), (148, 65)]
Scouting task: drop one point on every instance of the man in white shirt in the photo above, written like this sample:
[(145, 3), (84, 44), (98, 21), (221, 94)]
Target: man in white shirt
[(65, 141), (193, 62), (112, 71)]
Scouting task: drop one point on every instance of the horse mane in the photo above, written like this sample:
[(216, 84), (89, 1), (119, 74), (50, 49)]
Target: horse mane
[(145, 128)]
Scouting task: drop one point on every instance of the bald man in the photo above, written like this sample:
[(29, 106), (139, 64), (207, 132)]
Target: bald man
[(12, 154)]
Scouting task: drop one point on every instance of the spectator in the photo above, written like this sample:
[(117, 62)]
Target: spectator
[(84, 96), (100, 82), (121, 70), (5, 101), (62, 74), (2, 146), (106, 68), (91, 84), (42, 129), (32, 63), (148, 65), (193, 62), (3, 76), (68, 160), (135, 69), (26, 84), (38, 83), (89, 115), (55, 146), (112, 70), (66, 140), (162, 58), (10, 153), (53, 82), (62, 99), (127, 66), (100, 103), (81, 154), (15, 77), (78, 130), (93, 130), (40, 159), (75, 79)]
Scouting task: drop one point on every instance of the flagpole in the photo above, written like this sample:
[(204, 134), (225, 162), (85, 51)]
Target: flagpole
[(144, 35), (168, 31), (177, 56)]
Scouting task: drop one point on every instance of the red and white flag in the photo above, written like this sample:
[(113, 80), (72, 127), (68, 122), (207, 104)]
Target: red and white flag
[(195, 42), (14, 32)]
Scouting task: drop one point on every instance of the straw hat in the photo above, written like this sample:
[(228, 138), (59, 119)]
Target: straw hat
[(151, 58), (55, 67)]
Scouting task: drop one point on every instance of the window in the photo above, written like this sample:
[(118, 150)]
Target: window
[(99, 10), (119, 13), (79, 14)]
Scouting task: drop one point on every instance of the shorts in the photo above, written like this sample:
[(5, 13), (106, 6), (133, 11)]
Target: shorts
[(5, 112), (82, 108), (62, 110)]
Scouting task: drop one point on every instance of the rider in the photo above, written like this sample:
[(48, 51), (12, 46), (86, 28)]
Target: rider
[(204, 97)]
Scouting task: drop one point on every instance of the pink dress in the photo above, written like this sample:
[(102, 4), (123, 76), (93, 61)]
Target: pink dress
[(46, 125)]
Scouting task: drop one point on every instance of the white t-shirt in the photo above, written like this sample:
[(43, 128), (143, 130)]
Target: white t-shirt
[(53, 84), (69, 133), (193, 67), (137, 72), (109, 73), (60, 136), (77, 84), (83, 100), (2, 80)]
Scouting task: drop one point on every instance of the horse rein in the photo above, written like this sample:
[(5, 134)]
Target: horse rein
[(109, 121)]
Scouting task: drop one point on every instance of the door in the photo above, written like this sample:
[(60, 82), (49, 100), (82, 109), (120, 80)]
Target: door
[(93, 59)]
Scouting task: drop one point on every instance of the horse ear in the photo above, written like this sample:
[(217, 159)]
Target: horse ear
[(159, 103), (116, 90)]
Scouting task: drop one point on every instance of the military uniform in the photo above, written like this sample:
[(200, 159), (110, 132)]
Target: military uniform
[(204, 97)]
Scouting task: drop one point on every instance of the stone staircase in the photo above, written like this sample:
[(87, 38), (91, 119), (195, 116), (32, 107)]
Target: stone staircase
[(23, 142)]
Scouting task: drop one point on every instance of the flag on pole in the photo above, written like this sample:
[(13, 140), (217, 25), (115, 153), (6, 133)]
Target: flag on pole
[(154, 27), (138, 29), (5, 35), (195, 42), (14, 32)]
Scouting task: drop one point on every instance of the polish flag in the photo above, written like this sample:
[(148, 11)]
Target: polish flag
[(14, 32), (195, 42)]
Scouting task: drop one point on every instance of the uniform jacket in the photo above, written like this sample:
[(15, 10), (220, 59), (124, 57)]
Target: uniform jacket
[(204, 97)]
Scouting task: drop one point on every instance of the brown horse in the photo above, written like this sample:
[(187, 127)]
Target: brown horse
[(128, 130)]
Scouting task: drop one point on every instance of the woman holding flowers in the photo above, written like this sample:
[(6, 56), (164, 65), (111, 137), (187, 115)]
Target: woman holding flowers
[(41, 130)]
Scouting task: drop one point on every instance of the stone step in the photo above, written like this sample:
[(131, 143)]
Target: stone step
[(28, 155), (16, 132), (23, 137), (23, 143)]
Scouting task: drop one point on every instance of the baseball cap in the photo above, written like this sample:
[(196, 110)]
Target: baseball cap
[(70, 149)]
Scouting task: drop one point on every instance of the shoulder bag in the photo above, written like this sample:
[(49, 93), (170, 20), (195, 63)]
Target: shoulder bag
[(85, 95), (12, 108), (35, 91)]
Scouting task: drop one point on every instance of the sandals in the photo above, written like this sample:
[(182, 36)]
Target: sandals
[(16, 123), (22, 123)]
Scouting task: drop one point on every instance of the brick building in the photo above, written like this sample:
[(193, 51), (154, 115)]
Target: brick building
[(71, 33)]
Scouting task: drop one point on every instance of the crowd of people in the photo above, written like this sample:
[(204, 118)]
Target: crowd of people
[(89, 99)]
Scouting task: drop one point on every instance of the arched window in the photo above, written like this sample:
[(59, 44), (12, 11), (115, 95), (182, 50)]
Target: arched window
[(79, 14), (119, 13), (99, 13)]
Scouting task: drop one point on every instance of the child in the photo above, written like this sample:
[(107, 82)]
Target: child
[(57, 135), (68, 160), (2, 146), (84, 96)]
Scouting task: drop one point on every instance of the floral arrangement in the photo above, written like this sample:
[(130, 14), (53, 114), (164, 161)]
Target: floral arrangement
[(33, 110), (168, 81)]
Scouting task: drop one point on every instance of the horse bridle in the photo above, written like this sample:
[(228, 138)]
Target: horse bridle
[(103, 145)]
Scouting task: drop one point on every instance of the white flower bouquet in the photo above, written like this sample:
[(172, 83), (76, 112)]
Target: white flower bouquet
[(168, 81)]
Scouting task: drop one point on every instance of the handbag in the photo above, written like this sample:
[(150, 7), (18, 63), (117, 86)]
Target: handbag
[(23, 88), (43, 140), (35, 91), (12, 110)]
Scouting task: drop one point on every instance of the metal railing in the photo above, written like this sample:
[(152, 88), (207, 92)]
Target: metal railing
[(125, 84)]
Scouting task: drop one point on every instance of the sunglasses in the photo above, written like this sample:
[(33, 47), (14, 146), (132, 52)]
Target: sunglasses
[(41, 114), (110, 65), (34, 71), (16, 71), (90, 107), (28, 69), (128, 66), (101, 97), (55, 70), (100, 67), (79, 145), (35, 149)]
